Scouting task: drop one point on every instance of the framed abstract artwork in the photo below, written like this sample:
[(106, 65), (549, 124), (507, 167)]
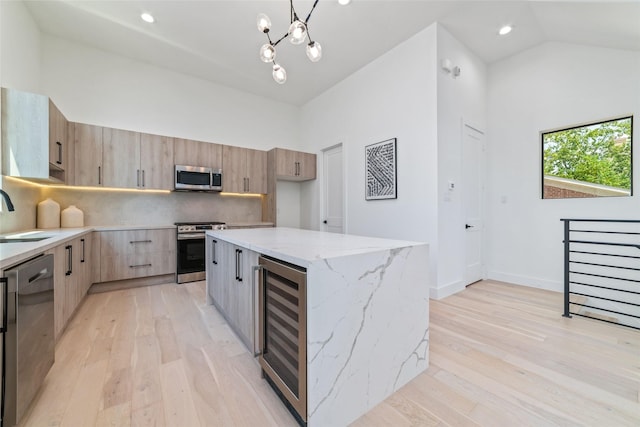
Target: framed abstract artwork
[(381, 170)]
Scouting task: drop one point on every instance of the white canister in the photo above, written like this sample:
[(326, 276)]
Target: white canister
[(48, 214), (72, 217)]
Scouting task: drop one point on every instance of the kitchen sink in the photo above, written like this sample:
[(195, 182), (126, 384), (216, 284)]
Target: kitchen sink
[(21, 239)]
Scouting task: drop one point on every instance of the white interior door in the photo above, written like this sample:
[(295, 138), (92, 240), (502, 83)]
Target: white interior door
[(333, 183), (473, 187)]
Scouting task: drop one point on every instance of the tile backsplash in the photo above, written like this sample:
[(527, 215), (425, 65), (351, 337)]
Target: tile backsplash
[(25, 197), (113, 207)]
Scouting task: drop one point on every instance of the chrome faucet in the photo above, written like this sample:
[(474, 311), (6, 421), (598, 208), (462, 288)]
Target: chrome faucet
[(7, 200)]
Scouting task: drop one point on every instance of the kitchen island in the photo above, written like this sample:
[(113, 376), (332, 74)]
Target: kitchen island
[(367, 312)]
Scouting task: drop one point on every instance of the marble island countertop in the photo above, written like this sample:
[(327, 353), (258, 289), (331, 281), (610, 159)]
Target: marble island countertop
[(367, 313), (302, 247)]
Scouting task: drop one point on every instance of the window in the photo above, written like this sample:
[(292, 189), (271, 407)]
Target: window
[(592, 160)]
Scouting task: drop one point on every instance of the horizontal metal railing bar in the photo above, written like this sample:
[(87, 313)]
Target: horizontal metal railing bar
[(604, 277), (605, 287), (605, 232), (601, 241), (589, 242), (605, 299), (604, 309), (601, 220), (605, 265), (604, 254), (604, 320)]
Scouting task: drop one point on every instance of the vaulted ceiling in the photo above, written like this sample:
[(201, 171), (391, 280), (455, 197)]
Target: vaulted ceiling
[(219, 41)]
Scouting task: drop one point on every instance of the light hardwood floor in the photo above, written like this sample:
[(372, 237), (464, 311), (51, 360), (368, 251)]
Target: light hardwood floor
[(500, 355)]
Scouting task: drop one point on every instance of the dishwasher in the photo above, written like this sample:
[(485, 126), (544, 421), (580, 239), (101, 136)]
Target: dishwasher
[(29, 342)]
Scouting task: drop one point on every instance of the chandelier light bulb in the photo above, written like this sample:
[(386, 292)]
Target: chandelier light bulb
[(267, 53), (314, 51), (505, 30), (264, 23), (298, 32), (279, 74)]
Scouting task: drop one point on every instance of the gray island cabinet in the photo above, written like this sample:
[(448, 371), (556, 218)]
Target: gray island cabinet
[(367, 310)]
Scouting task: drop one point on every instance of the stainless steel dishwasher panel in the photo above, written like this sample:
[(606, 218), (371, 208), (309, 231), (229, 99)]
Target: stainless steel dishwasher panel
[(30, 341)]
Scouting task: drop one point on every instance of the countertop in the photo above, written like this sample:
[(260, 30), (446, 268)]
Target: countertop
[(15, 253), (303, 247)]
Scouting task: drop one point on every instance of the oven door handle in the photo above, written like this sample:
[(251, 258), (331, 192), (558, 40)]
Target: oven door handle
[(190, 236)]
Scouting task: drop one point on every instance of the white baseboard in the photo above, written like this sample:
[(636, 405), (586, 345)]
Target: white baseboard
[(534, 282), (446, 290)]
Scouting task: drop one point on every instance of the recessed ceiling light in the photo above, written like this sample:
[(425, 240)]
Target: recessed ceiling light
[(147, 17), (344, 2), (505, 30)]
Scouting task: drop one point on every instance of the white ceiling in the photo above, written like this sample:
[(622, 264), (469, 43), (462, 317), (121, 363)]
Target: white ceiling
[(218, 40)]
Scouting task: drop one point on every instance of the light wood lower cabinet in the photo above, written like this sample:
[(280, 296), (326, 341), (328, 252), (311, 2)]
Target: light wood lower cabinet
[(130, 254), (231, 286), (71, 278)]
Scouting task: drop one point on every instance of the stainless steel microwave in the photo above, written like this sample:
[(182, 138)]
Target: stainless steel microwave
[(197, 178)]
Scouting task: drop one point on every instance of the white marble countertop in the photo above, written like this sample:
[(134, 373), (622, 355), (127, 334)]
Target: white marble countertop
[(303, 247), (15, 253)]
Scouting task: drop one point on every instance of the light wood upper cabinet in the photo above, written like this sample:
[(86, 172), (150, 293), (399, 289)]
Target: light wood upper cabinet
[(25, 134), (128, 159), (295, 165), (156, 161), (88, 155), (121, 158), (58, 141), (188, 152), (244, 170)]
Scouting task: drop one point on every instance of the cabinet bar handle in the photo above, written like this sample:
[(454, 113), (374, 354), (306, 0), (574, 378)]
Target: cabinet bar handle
[(69, 250), (239, 265), (139, 241), (59, 161), (5, 282), (143, 184), (82, 259), (140, 266), (213, 251), (236, 264), (138, 178), (254, 269), (99, 175)]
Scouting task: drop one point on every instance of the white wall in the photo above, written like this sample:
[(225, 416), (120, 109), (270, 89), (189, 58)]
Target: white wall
[(549, 86), (97, 87), (392, 97), (19, 48), (19, 69), (460, 100), (404, 94)]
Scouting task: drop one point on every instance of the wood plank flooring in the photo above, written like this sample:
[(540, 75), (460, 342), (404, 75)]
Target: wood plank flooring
[(500, 355)]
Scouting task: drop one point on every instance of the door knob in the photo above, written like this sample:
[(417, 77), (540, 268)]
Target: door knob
[(467, 226)]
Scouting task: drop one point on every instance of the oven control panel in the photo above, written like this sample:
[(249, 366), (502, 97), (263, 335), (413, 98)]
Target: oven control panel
[(194, 228)]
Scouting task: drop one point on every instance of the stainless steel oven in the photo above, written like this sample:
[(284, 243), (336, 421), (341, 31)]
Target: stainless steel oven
[(190, 249), (282, 328)]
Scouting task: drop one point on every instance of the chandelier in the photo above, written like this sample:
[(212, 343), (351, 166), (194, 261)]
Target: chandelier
[(298, 33)]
